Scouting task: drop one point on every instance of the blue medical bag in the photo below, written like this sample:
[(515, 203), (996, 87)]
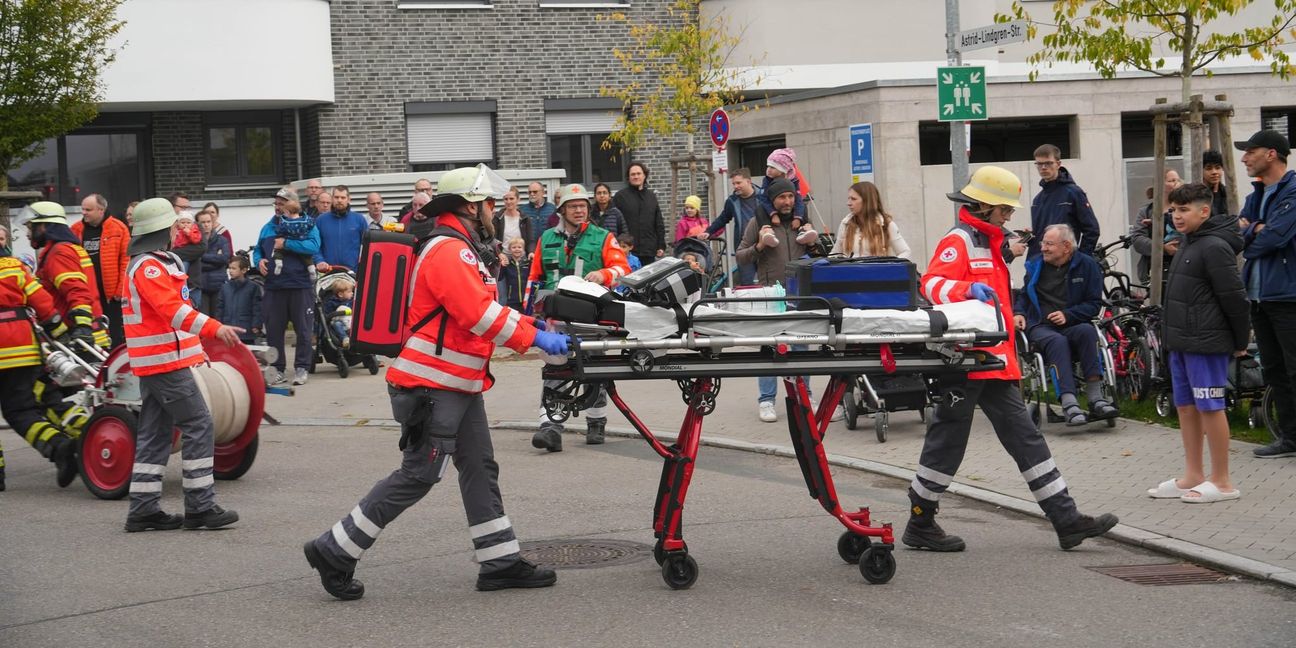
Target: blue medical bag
[(872, 282)]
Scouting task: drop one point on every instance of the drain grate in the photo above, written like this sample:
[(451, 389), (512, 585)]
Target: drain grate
[(1165, 574), (584, 554)]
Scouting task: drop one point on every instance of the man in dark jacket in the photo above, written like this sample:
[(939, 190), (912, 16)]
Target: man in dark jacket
[(1270, 274), (1206, 323), (1060, 201), (739, 208), (643, 215), (1063, 294)]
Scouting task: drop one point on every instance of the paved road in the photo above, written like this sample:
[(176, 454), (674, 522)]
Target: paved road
[(770, 575)]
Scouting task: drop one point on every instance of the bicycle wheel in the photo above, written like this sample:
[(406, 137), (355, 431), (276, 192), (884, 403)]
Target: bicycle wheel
[(1138, 374), (1269, 412)]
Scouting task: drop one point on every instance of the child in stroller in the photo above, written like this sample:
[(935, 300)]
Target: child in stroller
[(334, 292), (712, 272)]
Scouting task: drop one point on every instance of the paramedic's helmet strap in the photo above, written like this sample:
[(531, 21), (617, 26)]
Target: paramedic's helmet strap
[(489, 183)]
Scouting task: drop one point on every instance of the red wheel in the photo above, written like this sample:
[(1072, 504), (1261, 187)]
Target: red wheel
[(107, 451), (232, 465)]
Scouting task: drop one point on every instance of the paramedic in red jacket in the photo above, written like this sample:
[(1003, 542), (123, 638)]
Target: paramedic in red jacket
[(66, 271), (968, 265), (436, 384), (162, 338)]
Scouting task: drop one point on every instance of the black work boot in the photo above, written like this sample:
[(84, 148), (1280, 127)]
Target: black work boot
[(340, 584), (594, 431), (522, 573), (65, 462), (213, 518), (155, 521), (922, 532), (549, 437), (1071, 535)]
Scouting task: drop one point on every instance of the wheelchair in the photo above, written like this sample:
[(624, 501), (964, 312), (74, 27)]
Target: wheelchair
[(1038, 380)]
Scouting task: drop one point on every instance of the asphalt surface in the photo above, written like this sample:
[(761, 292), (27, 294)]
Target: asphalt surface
[(770, 576)]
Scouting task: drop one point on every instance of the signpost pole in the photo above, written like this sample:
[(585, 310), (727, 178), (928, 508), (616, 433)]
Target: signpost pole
[(958, 132)]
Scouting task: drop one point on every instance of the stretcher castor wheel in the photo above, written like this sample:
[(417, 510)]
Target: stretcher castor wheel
[(877, 565), (660, 553), (882, 423), (851, 546), (679, 570), (106, 451)]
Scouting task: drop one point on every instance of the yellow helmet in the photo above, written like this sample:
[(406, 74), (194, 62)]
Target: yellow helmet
[(47, 211), (992, 185)]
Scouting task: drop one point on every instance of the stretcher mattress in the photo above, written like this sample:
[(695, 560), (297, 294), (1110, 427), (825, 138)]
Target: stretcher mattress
[(655, 323)]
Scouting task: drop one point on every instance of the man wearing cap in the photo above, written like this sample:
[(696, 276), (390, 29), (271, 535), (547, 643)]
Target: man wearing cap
[(67, 272), (576, 247), (436, 384), (162, 339), (968, 264), (1269, 274)]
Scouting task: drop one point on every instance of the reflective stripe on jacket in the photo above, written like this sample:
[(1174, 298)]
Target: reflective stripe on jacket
[(453, 296), (66, 271), (18, 290), (969, 254), (162, 327), (596, 248)]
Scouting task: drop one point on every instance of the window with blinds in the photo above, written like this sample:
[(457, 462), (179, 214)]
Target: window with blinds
[(449, 138)]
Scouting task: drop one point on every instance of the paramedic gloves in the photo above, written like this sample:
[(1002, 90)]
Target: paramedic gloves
[(981, 292), (554, 344), (83, 333), (539, 323)]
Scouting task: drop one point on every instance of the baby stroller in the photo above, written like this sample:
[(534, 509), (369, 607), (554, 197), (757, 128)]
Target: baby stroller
[(879, 397), (328, 347), (708, 253)]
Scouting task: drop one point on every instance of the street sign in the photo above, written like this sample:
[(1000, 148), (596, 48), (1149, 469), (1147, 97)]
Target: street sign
[(861, 153), (991, 36), (719, 127), (961, 94), (720, 160)]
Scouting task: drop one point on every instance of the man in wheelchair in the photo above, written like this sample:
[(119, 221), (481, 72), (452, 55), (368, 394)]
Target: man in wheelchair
[(1063, 294)]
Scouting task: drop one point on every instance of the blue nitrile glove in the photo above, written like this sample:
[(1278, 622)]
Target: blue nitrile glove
[(981, 292), (551, 343), (539, 324)]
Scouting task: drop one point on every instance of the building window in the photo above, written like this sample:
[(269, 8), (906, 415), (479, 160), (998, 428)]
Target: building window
[(1138, 136), (576, 141), (443, 4), (444, 135), (242, 148), (1282, 120), (997, 140), (581, 4), (106, 157), (753, 153)]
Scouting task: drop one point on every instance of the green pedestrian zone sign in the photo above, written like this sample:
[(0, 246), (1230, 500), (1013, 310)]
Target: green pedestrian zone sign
[(961, 93)]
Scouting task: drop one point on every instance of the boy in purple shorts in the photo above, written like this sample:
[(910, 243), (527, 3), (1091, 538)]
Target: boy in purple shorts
[(1207, 321)]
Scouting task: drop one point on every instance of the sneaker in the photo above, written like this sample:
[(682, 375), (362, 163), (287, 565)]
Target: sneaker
[(1280, 448), (213, 518), (65, 463), (549, 437), (299, 376), (521, 574), (346, 343), (595, 431), (341, 585), (275, 377), (767, 412), (1070, 536), (155, 521), (922, 532)]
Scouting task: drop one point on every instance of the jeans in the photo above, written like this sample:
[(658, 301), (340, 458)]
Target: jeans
[(284, 305), (768, 385), (1062, 347)]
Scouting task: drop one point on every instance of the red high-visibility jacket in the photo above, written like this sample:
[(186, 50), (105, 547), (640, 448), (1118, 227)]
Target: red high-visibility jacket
[(19, 290), (969, 254), (162, 327), (66, 271), (451, 282)]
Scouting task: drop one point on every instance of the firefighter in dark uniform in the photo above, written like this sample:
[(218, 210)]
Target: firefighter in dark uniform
[(968, 265), (436, 386)]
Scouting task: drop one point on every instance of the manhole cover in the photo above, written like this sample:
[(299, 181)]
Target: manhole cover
[(584, 554), (1165, 574)]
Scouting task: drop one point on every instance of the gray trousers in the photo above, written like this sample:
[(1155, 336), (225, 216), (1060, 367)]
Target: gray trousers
[(947, 439), (172, 401), (444, 426)]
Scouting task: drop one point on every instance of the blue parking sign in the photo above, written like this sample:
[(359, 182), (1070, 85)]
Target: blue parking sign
[(861, 153)]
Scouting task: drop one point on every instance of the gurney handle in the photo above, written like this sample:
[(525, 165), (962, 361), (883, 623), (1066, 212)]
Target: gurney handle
[(833, 315), (720, 342)]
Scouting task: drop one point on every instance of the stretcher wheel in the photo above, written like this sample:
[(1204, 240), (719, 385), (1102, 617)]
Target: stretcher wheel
[(679, 570), (882, 423), (659, 552), (877, 565), (343, 365), (371, 363), (851, 546), (106, 451), (235, 464), (851, 410)]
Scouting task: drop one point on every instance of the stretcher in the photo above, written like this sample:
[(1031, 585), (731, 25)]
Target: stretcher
[(711, 343)]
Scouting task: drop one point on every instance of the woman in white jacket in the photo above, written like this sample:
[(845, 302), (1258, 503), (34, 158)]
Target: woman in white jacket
[(868, 230)]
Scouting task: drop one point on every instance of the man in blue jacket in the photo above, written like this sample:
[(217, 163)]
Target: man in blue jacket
[(341, 230), (739, 208), (1060, 201), (286, 254), (1063, 294), (1270, 274)]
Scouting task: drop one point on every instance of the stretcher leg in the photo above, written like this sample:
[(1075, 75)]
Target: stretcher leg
[(807, 429)]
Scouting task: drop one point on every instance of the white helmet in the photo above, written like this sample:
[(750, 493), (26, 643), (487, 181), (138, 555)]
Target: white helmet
[(472, 184), (571, 192)]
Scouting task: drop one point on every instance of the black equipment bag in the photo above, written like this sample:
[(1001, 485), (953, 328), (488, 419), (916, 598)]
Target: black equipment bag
[(866, 282)]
